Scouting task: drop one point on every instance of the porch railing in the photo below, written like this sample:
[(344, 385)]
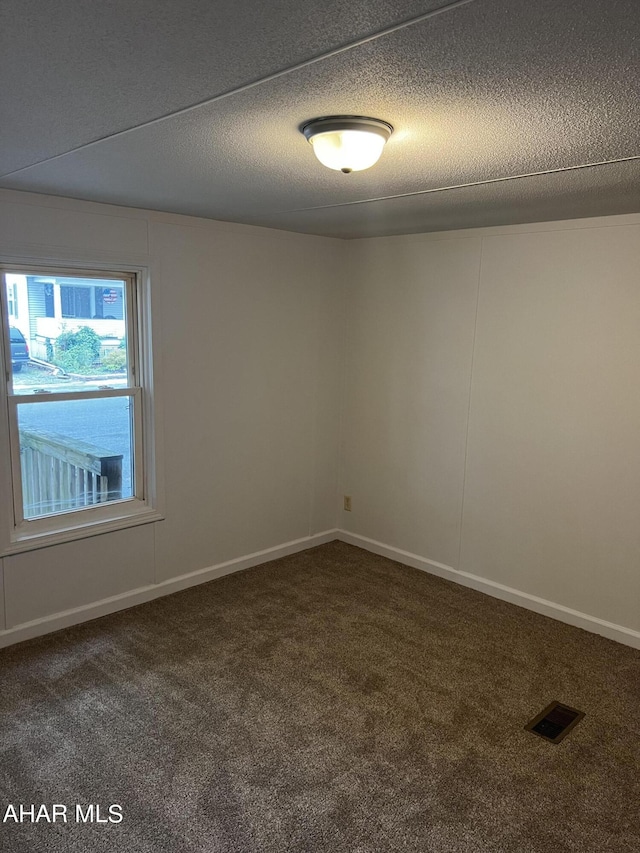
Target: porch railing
[(61, 473)]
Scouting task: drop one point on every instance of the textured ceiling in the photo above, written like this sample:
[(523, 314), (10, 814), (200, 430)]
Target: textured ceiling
[(504, 111)]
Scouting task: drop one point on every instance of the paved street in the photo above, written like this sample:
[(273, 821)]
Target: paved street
[(103, 422)]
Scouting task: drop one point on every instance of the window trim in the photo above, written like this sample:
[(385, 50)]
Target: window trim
[(142, 507), (30, 525)]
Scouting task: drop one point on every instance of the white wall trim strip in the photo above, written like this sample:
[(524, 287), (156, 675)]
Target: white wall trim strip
[(619, 633), (77, 615)]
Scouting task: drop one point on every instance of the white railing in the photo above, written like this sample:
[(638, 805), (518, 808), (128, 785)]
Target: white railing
[(61, 473), (50, 327)]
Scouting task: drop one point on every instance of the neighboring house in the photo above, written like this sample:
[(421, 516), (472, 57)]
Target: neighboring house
[(18, 303), (43, 308)]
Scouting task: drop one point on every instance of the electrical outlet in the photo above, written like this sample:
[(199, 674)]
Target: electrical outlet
[(347, 503)]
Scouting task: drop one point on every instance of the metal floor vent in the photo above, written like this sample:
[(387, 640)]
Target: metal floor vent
[(555, 722)]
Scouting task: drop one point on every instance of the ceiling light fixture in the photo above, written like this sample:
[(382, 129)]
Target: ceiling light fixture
[(347, 143)]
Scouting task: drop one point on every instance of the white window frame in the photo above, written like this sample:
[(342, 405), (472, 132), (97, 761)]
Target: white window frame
[(26, 534)]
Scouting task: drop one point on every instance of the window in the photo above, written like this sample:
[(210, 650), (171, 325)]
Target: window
[(75, 301), (12, 301), (76, 404)]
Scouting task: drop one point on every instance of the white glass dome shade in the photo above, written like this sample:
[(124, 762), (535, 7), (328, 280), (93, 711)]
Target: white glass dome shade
[(347, 143)]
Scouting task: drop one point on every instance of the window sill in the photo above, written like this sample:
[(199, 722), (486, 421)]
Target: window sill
[(24, 541)]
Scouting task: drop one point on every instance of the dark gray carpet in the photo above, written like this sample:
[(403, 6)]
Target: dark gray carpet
[(329, 701)]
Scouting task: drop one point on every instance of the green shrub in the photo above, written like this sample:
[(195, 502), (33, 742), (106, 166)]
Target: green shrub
[(115, 360), (76, 352)]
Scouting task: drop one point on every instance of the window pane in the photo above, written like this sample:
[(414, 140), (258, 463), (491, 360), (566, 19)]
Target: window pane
[(71, 332), (75, 453)]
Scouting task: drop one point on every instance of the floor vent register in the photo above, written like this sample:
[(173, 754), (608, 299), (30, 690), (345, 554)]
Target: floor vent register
[(555, 722)]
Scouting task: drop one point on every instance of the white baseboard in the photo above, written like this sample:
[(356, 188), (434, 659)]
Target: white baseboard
[(627, 636), (47, 624), (66, 619)]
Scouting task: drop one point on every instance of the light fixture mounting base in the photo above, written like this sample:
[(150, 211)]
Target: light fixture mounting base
[(328, 124)]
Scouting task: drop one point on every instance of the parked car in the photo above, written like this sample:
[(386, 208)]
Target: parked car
[(19, 349)]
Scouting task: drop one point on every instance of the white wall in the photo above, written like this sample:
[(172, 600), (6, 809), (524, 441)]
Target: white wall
[(506, 445), (486, 421), (411, 313), (248, 364), (246, 323)]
